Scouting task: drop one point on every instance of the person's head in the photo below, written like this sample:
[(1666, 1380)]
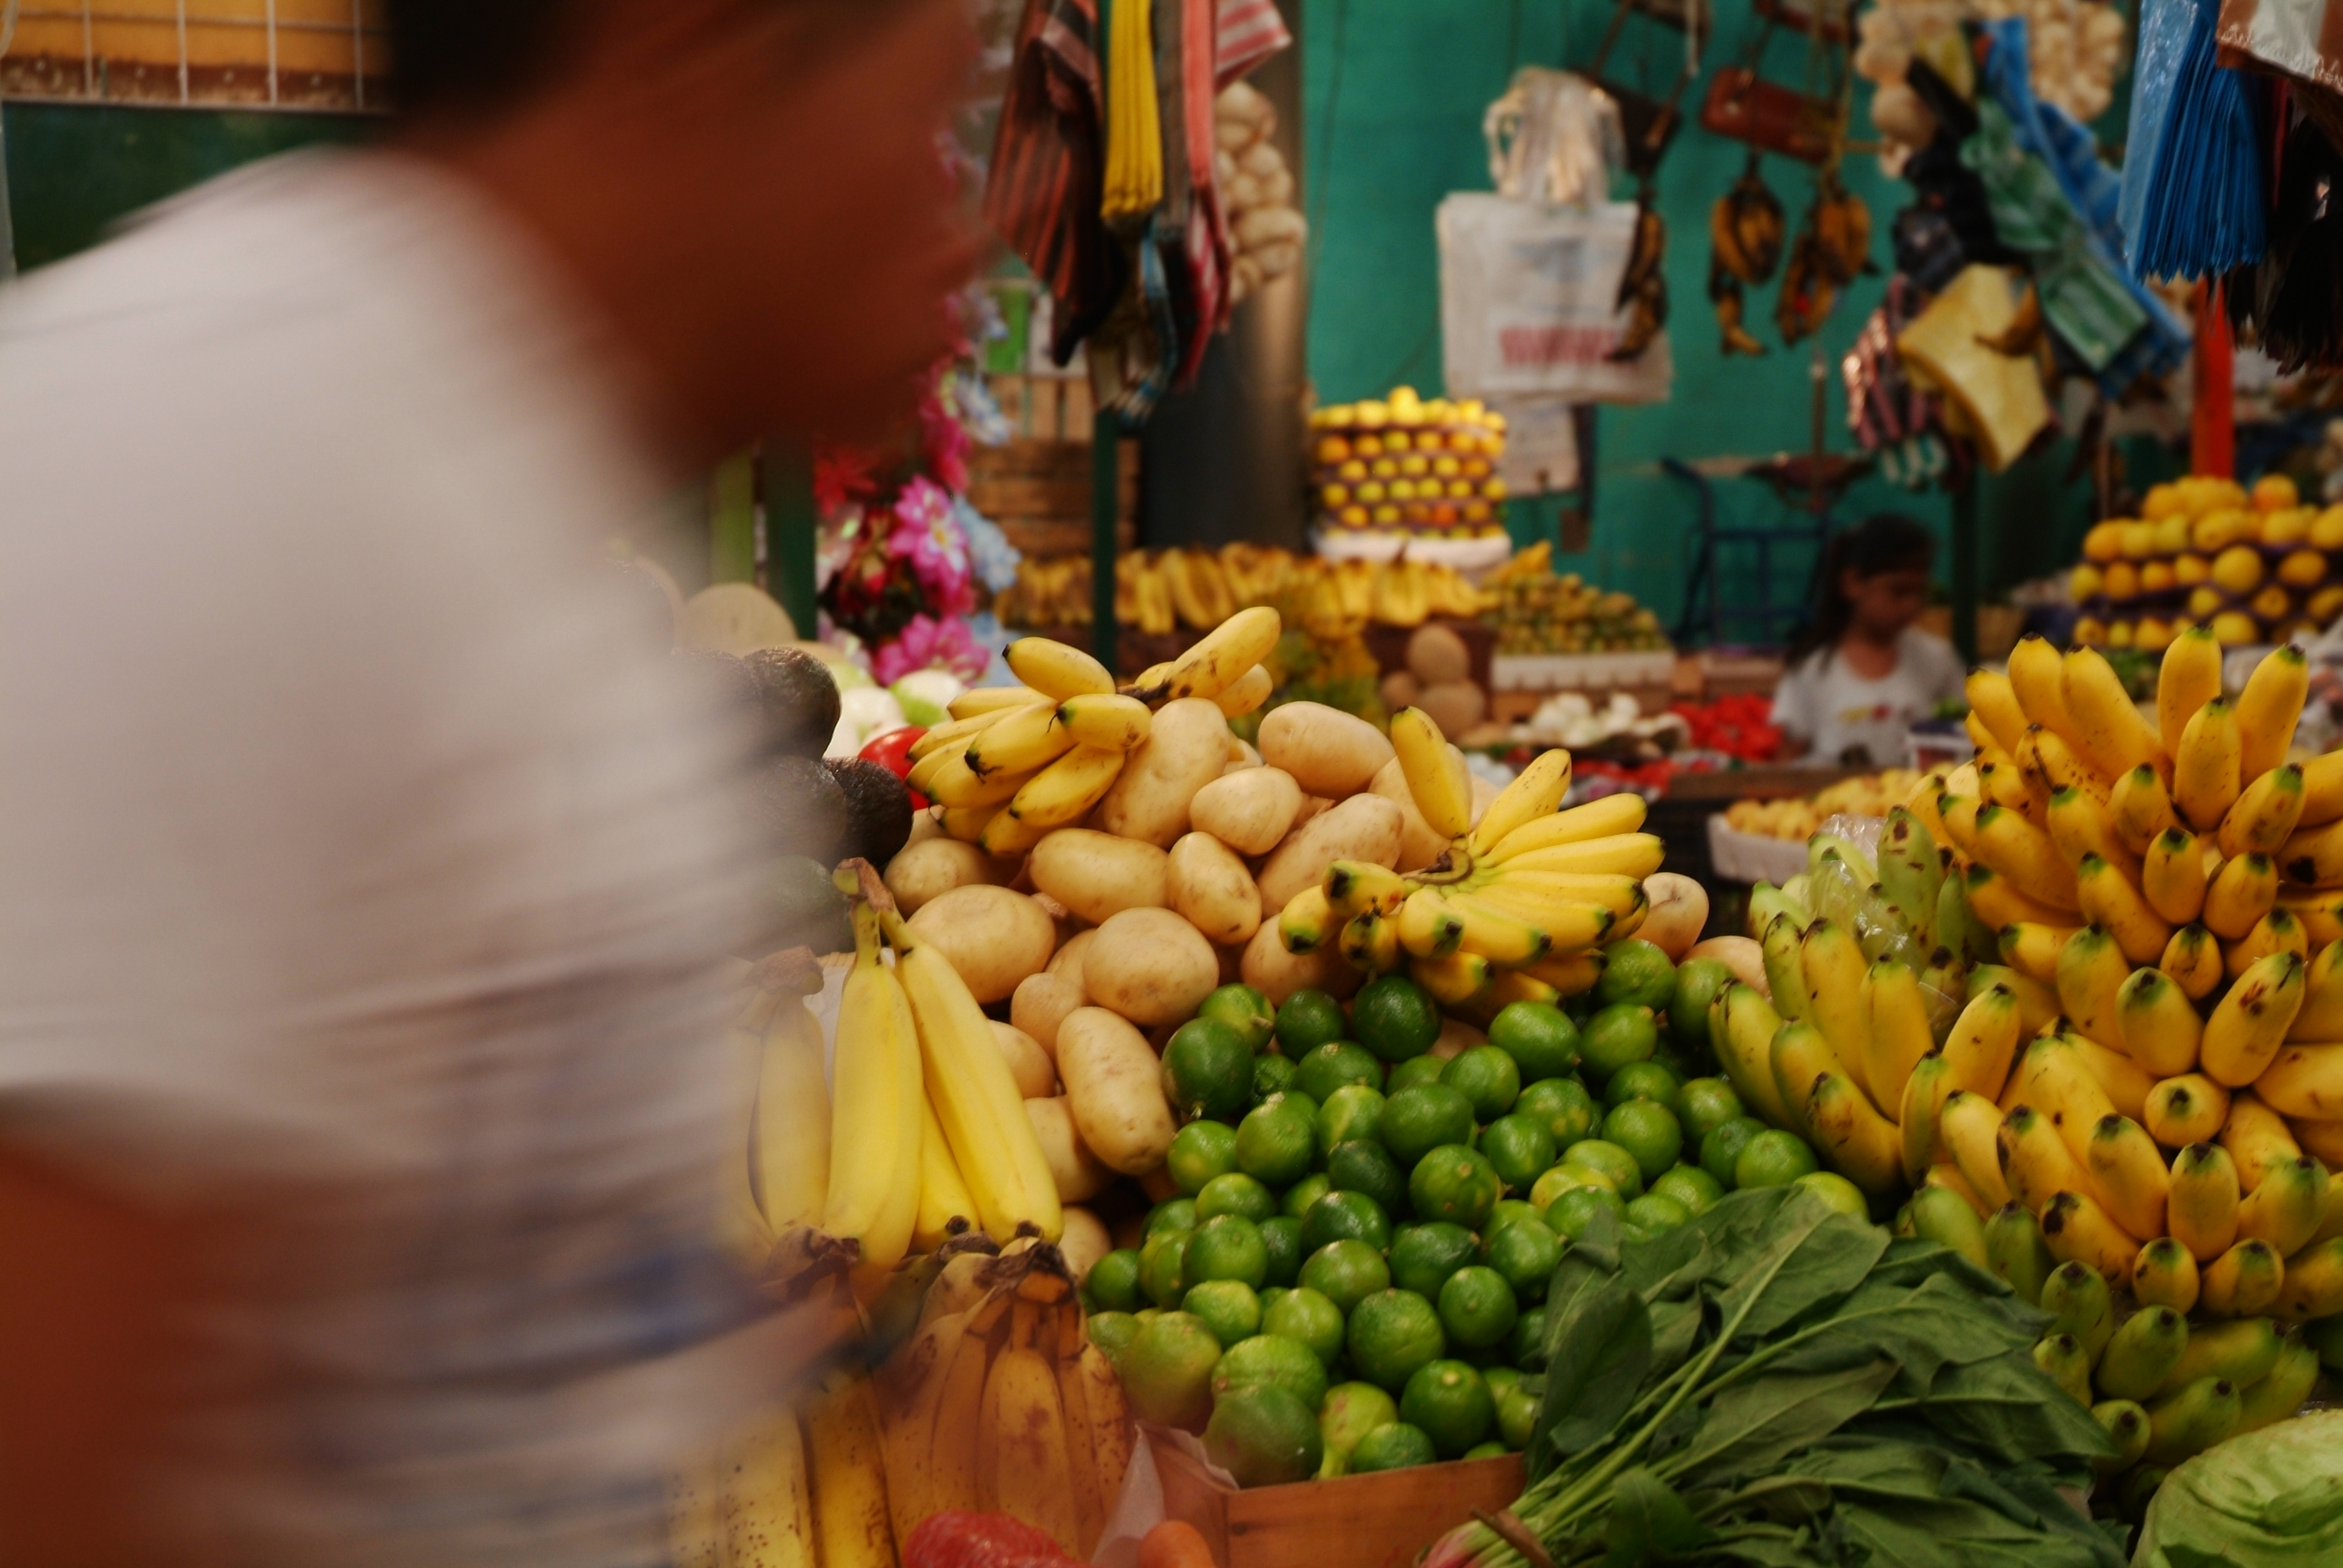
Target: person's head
[(1874, 580), (753, 192)]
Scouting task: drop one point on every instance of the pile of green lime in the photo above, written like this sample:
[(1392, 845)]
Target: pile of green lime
[(1351, 1277)]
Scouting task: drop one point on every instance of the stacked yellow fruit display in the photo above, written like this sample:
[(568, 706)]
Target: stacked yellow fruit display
[(1162, 591), (1406, 463), (2256, 566), (1800, 818), (2170, 889)]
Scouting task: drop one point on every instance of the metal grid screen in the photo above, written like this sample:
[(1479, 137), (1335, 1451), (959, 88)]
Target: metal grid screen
[(250, 53)]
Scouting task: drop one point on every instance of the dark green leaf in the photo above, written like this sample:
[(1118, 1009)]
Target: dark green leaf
[(1648, 1521), (1822, 1255), (1753, 1427), (1912, 1261), (2006, 1408), (1600, 1346), (1924, 1329), (1675, 1328), (1668, 1265)]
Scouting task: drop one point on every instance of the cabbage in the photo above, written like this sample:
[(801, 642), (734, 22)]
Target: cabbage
[(2271, 1499)]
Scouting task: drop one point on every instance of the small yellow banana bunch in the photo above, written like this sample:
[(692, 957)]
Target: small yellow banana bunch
[(999, 1400), (1513, 910), (1017, 762), (797, 1489)]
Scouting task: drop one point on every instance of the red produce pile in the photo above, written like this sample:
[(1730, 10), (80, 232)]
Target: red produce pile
[(957, 1540), (1739, 726)]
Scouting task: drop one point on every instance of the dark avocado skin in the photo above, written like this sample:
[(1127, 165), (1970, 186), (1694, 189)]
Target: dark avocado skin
[(798, 698), (878, 809)]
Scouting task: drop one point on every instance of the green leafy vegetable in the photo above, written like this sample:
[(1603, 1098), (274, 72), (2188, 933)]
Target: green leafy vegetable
[(2270, 1498)]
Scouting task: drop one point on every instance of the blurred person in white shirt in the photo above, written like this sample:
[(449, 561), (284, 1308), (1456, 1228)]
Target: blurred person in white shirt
[(1862, 672), (364, 876)]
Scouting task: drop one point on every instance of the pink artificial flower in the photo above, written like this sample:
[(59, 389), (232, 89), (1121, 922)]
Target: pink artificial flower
[(945, 442), (928, 534), (931, 644)]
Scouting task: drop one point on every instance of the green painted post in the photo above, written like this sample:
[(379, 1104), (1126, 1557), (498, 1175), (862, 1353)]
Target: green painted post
[(732, 520), (1965, 568), (1106, 510), (790, 532)]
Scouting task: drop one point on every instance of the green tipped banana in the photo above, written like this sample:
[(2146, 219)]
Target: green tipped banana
[(2242, 1351), (2062, 1356), (2077, 1297), (2185, 1423), (1786, 974), (1911, 874), (2014, 1250), (1945, 1218), (2282, 1390), (1961, 931), (2125, 1423), (2146, 1346)]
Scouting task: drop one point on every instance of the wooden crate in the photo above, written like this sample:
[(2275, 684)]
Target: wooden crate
[(1381, 1521), (1039, 491)]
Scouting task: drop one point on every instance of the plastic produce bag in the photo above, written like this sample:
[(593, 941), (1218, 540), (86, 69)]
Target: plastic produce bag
[(1529, 301), (2192, 203)]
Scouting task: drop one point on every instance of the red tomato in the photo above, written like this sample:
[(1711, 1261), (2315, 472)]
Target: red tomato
[(893, 751)]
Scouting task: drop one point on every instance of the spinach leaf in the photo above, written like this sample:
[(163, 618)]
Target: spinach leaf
[(1827, 1255), (1599, 1349), (2003, 1408), (1755, 1425), (1648, 1520)]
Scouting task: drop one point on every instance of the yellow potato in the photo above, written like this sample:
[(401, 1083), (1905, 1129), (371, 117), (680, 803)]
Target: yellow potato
[(1328, 751), (993, 937), (1150, 966), (1095, 875), (1084, 1243), (1042, 1001), (1028, 1064), (1277, 974), (1211, 886), (1248, 809), (1187, 748), (1742, 955), (932, 866), (1115, 1090), (1076, 1171), (1362, 828), (1067, 959), (1679, 911), (1456, 1037)]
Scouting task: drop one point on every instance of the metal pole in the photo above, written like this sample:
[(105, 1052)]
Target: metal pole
[(790, 532), (1106, 511)]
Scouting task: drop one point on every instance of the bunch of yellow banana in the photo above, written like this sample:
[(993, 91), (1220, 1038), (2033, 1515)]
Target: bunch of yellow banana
[(797, 1489), (1516, 907), (1016, 763), (1000, 1401)]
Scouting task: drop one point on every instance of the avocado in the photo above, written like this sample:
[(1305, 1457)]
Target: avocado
[(802, 908), (798, 697), (728, 694), (878, 808), (801, 810)]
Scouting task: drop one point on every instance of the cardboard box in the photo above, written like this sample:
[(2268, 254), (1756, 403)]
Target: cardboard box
[(1380, 1520)]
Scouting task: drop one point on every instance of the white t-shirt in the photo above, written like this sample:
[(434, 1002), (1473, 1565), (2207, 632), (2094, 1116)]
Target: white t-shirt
[(1825, 701), (355, 843)]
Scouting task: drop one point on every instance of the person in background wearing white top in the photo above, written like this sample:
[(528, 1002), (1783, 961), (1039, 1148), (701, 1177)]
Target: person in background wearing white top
[(1861, 673), (368, 878)]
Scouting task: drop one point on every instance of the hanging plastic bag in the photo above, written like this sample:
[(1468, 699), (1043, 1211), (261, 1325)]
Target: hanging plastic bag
[(1529, 302)]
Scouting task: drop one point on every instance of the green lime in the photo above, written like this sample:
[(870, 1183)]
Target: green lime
[(1392, 1334), (1113, 1281), (1235, 1194), (1351, 1410), (1308, 1317), (1424, 1256), (1520, 1147), (1199, 1152), (1270, 1296), (1647, 1130), (1277, 1141), (1341, 1216), (1493, 1449), (1837, 1191), (1600, 1155), (1244, 1009), (1705, 1104), (1394, 1018), (1270, 1075), (1499, 1378), (1561, 1179), (1652, 1080), (1526, 1348), (1172, 1214), (1336, 1065), (1655, 1213), (1281, 1241), (1304, 1192), (1167, 1370), (1272, 1358), (1487, 1078), (1415, 1070), (1396, 1446), (1457, 1184), (1565, 1107), (1617, 1036), (1720, 1150), (1226, 1247), (1517, 1414), (1538, 1036), (1263, 1437), (1635, 973), (1345, 1272), (1111, 1331), (1525, 1255), (1418, 1120), (1698, 983), (1207, 1070), (1309, 1020), (1230, 1308), (1511, 1211), (1773, 1159), (1359, 1166), (1477, 1307), (1575, 1209), (1353, 1110), (1162, 1267), (1691, 1186), (1448, 1400)]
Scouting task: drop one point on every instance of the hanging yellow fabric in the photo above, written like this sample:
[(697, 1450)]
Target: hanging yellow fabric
[(1134, 130)]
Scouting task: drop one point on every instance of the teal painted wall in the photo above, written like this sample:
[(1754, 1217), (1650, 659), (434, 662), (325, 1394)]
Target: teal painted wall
[(1395, 92)]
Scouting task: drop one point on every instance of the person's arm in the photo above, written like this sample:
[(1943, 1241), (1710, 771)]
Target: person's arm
[(1793, 714)]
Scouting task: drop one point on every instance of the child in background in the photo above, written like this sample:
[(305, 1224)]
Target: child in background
[(1861, 673)]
